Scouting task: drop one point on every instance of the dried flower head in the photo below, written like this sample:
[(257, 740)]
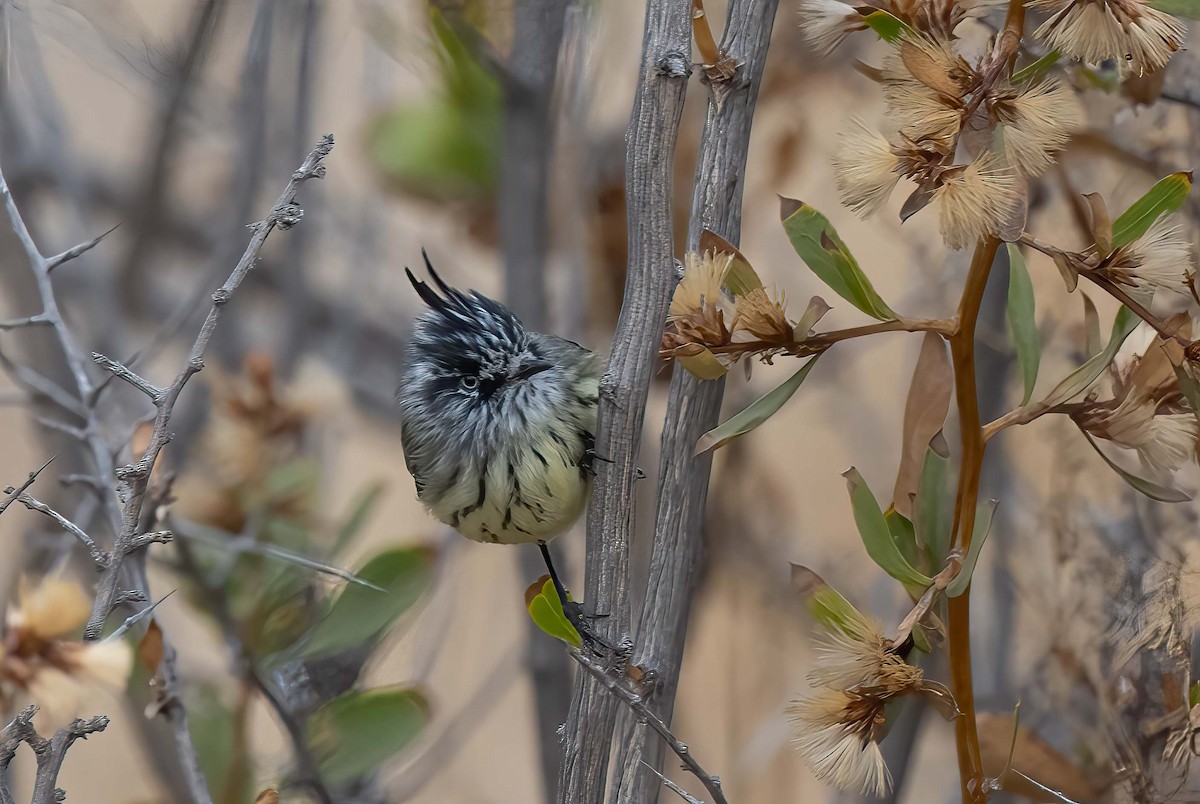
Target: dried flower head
[(866, 168), (924, 82), (1161, 258), (1147, 412), (1037, 121), (836, 734), (40, 665), (825, 23), (759, 317), (700, 307), (1141, 38), (973, 201)]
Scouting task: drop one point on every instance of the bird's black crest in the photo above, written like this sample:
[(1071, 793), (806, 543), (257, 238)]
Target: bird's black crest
[(464, 308)]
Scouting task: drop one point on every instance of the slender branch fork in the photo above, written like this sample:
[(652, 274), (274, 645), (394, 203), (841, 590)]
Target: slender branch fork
[(131, 481), (50, 753)]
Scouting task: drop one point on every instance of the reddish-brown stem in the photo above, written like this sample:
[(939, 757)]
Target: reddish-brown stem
[(962, 353)]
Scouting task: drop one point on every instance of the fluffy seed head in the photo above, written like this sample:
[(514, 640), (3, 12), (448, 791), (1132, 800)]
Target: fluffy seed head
[(924, 81), (973, 201), (1038, 121), (1161, 258), (835, 735), (1141, 38), (825, 23), (865, 168)]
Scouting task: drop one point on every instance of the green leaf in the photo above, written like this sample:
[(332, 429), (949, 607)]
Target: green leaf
[(876, 535), (983, 526), (213, 729), (1149, 488), (931, 514), (903, 536), (1194, 694), (828, 607), (357, 732), (1081, 378), (360, 510), (755, 413), (1037, 69), (886, 26), (546, 611), (1021, 322), (1180, 8), (360, 613), (817, 242), (1165, 196)]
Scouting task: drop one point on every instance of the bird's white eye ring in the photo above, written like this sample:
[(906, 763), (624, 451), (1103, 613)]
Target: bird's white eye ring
[(470, 382)]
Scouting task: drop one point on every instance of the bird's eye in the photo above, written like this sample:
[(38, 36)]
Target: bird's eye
[(470, 382)]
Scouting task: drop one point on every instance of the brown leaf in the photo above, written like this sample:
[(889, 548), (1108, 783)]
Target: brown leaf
[(150, 649), (1101, 223), (1069, 274), (924, 414), (1032, 757), (1093, 340), (916, 202), (268, 796), (924, 67), (1144, 89)]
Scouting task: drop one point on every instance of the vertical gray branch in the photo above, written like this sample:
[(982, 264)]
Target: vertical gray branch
[(650, 155), (528, 136), (693, 405), (50, 753)]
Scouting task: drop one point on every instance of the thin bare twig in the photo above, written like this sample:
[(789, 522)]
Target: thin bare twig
[(619, 688), (670, 785), (19, 490), (100, 557)]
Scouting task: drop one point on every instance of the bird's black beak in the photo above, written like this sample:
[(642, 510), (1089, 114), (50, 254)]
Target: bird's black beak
[(530, 369)]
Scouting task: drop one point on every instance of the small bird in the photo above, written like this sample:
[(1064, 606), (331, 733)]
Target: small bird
[(497, 422)]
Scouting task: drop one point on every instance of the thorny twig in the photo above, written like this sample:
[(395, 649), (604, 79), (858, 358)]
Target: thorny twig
[(617, 686), (131, 481), (50, 753)]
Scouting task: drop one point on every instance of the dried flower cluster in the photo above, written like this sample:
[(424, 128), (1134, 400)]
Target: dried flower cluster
[(1159, 259), (1146, 411), (937, 101), (41, 664), (838, 727), (704, 316)]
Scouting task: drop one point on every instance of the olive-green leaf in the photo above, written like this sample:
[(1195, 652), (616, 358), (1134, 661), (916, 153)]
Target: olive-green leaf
[(546, 611), (827, 606), (887, 27), (1036, 69), (1021, 321), (703, 365), (903, 535), (983, 526), (1180, 8), (817, 242), (1154, 491), (931, 514), (1092, 340), (755, 413), (360, 613), (876, 536), (355, 733), (1167, 195), (1081, 378), (1190, 388)]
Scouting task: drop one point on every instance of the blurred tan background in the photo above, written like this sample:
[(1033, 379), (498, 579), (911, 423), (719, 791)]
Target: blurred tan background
[(331, 305)]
